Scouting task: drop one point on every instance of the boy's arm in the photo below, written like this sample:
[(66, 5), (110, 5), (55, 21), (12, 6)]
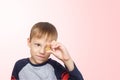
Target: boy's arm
[(14, 75), (75, 74), (59, 51), (63, 73), (69, 64), (17, 67)]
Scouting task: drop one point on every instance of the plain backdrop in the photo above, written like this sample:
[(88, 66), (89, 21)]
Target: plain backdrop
[(90, 29)]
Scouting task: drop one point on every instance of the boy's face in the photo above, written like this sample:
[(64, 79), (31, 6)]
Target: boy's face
[(37, 50)]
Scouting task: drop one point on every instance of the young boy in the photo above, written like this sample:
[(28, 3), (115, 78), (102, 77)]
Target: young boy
[(42, 43)]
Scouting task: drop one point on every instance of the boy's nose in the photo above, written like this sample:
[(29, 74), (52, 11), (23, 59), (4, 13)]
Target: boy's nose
[(42, 51)]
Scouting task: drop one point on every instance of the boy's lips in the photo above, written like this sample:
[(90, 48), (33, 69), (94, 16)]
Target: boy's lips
[(40, 56)]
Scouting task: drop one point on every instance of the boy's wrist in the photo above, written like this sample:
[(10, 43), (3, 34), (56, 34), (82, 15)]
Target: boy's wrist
[(69, 64)]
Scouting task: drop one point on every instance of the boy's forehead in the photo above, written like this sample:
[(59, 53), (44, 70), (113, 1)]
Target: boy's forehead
[(46, 39)]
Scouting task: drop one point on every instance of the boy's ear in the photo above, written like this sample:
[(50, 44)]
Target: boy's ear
[(28, 42)]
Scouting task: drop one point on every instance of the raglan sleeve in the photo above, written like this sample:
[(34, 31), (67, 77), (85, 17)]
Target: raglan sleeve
[(75, 74), (62, 72), (14, 75)]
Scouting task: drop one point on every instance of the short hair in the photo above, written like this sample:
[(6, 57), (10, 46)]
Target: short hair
[(42, 29)]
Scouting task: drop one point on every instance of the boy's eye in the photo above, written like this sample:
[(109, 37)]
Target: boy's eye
[(37, 44)]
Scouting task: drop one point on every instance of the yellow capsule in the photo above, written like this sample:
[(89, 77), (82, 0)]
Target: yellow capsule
[(47, 48)]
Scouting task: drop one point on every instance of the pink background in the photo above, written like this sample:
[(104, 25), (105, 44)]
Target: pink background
[(90, 29)]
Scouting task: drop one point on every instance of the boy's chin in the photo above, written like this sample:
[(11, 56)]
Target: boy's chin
[(40, 61)]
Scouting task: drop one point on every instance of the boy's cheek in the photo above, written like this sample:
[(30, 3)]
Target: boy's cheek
[(34, 50)]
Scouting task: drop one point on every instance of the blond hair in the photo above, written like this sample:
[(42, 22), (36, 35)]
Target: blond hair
[(42, 29)]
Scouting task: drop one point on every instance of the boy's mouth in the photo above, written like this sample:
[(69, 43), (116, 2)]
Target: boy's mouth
[(39, 56)]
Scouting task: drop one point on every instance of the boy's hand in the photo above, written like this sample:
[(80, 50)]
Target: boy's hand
[(59, 51)]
